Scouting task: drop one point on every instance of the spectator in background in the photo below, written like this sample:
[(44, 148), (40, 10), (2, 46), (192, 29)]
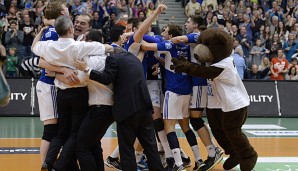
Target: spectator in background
[(290, 46), (39, 12), (257, 53), (208, 18), (265, 5), (214, 23), (282, 32), (14, 38), (107, 27), (239, 62), (28, 4), (254, 74), (78, 7), (256, 24), (274, 25), (276, 11), (245, 42), (274, 45), (224, 18), (241, 6), (139, 7), (11, 63), (90, 6), (28, 28), (234, 31), (265, 36), (206, 3), (293, 62), (142, 15), (228, 27), (247, 25), (279, 66), (97, 20), (232, 10), (227, 5), (264, 64), (192, 8), (292, 74), (124, 9), (12, 13), (154, 25), (239, 20)]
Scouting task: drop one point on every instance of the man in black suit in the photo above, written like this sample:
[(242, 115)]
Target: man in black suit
[(132, 108)]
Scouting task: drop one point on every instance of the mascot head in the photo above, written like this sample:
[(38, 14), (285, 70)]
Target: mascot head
[(214, 45)]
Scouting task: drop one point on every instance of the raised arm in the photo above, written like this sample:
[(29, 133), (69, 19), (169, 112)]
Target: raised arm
[(138, 36)]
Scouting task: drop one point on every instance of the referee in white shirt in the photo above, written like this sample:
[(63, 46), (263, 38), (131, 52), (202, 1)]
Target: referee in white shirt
[(72, 101)]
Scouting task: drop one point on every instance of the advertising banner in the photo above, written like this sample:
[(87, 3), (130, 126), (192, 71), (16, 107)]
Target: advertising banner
[(263, 98), (23, 99), (288, 98), (267, 98)]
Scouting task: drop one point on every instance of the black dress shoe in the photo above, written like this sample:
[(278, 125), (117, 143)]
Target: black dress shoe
[(46, 167)]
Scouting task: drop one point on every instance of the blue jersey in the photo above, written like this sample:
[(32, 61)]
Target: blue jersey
[(179, 83), (49, 34), (150, 59), (114, 45), (192, 43), (131, 46)]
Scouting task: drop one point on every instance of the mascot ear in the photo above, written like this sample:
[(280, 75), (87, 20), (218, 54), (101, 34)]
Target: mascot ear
[(202, 53), (226, 39)]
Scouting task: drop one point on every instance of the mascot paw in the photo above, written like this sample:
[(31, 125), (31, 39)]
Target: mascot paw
[(179, 65)]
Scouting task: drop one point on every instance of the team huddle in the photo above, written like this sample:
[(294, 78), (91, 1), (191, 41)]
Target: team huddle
[(87, 85)]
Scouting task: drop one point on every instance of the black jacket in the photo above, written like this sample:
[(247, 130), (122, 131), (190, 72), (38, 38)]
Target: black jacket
[(257, 76), (126, 73)]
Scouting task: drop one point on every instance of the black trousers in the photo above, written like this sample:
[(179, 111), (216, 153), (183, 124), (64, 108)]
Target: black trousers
[(72, 107), (139, 125), (93, 128)]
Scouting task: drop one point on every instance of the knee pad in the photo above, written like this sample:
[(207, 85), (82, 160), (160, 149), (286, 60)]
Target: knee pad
[(49, 132), (197, 123), (158, 125)]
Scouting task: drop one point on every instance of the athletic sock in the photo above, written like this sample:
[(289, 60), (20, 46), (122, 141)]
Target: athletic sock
[(211, 150), (165, 143), (177, 156), (183, 154), (192, 141), (196, 152)]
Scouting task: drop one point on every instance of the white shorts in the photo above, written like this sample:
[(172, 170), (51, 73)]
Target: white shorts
[(154, 91), (175, 106), (46, 94), (198, 97)]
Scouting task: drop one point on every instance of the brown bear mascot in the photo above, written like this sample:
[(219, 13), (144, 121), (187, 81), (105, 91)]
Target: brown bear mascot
[(227, 96)]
